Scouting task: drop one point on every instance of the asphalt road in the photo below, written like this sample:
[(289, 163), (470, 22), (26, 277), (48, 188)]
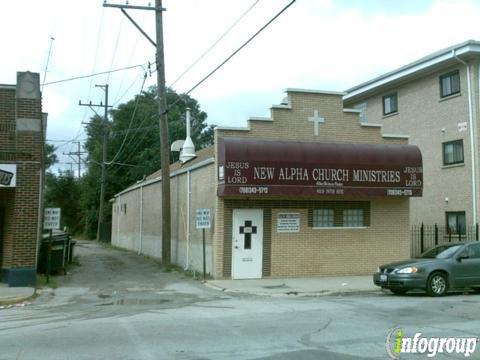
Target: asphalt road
[(117, 305)]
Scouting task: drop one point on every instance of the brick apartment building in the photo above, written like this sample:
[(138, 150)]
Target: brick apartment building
[(434, 101), (21, 139), (308, 191)]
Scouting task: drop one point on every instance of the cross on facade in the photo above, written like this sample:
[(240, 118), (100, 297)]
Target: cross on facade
[(316, 119)]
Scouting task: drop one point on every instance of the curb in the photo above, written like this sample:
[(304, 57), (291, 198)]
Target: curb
[(16, 299), (293, 293)]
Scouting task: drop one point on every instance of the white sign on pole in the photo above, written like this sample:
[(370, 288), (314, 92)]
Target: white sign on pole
[(288, 222), (203, 218), (51, 219)]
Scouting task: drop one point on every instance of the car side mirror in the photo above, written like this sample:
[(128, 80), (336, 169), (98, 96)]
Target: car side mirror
[(462, 257)]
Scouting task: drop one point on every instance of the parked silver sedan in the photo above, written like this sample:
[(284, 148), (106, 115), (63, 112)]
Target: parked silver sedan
[(442, 268)]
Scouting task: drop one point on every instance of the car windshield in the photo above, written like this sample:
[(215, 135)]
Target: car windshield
[(441, 252)]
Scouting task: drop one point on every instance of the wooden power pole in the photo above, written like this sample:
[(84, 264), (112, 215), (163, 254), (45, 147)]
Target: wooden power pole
[(104, 155), (163, 121)]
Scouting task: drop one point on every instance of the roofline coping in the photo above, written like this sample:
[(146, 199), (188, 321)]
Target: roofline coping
[(232, 128), (201, 164), (395, 136), (259, 118), (311, 91), (411, 68), (371, 125)]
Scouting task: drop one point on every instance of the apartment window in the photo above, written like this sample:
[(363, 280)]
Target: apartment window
[(353, 218), (323, 218), (339, 214), (453, 152), (450, 84), (362, 107), (456, 222), (390, 104)]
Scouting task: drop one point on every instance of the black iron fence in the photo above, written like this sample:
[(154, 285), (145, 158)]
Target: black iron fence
[(425, 237)]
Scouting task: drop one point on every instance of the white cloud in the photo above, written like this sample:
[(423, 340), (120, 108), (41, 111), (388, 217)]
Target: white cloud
[(314, 44)]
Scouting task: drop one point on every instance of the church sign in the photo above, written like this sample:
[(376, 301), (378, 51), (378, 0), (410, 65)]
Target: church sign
[(263, 168)]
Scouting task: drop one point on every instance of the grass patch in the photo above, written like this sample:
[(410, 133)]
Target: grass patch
[(42, 281)]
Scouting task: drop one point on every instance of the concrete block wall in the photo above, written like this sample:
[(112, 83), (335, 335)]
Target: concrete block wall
[(144, 235)]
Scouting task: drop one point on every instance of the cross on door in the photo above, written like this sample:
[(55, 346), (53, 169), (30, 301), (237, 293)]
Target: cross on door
[(247, 230)]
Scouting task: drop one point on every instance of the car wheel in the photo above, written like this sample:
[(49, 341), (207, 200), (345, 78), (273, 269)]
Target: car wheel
[(437, 284), (398, 291)]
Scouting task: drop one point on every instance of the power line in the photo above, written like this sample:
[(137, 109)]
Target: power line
[(234, 53), (115, 49), (137, 100), (94, 65), (125, 92), (132, 52), (215, 43), (97, 74), (140, 140)]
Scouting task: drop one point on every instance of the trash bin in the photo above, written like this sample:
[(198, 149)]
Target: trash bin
[(70, 252), (58, 253)]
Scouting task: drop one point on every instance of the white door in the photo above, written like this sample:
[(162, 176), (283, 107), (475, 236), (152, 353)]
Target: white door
[(247, 244)]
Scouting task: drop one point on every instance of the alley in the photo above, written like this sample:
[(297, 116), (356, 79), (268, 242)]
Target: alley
[(119, 305)]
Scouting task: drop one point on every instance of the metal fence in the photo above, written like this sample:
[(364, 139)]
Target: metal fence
[(425, 237)]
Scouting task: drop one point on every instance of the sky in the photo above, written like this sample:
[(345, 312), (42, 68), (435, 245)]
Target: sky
[(315, 44)]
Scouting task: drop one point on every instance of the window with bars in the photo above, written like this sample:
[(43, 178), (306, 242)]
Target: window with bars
[(353, 217), (339, 214), (323, 218)]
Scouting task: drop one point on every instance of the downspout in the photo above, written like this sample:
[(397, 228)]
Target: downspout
[(472, 130), (141, 220), (188, 220), (118, 219)]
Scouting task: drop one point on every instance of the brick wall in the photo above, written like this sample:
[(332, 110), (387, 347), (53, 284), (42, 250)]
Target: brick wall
[(24, 149), (312, 251)]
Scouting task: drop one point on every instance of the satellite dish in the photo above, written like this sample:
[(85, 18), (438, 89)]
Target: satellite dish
[(177, 145)]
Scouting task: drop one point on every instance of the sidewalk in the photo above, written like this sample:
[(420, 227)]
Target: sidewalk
[(11, 295), (315, 286)]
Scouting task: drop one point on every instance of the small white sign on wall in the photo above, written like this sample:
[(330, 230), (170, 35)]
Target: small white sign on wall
[(288, 222)]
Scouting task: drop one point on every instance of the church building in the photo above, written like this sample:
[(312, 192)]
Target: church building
[(308, 191)]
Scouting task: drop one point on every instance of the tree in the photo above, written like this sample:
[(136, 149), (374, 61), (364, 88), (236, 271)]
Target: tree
[(50, 156), (134, 146)]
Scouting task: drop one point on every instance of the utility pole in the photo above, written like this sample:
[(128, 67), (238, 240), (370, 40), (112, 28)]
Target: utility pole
[(104, 154), (77, 153), (163, 121)]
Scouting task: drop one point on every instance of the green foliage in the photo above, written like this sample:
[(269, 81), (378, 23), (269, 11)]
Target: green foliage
[(63, 191), (134, 146), (50, 156)]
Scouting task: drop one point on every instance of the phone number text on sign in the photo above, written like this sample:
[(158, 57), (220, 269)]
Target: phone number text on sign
[(253, 190)]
